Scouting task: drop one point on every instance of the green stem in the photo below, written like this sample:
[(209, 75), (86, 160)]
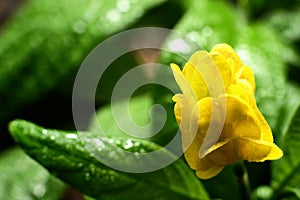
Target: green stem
[(243, 180)]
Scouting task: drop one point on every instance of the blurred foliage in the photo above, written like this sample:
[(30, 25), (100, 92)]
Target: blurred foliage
[(42, 46)]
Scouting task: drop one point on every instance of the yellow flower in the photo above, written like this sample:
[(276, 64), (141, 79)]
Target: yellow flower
[(205, 108)]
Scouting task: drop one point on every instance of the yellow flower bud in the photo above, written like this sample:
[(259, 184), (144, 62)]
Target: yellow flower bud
[(244, 133)]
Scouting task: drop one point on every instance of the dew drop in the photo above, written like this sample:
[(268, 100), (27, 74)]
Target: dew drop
[(93, 170), (100, 145), (87, 177), (52, 137), (113, 15), (71, 136), (128, 144), (123, 5), (39, 190), (112, 178), (110, 141), (142, 150), (193, 36), (44, 132), (80, 26), (207, 31), (136, 144), (118, 142), (103, 171)]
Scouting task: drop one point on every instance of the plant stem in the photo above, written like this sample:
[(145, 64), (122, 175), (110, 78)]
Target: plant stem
[(243, 180)]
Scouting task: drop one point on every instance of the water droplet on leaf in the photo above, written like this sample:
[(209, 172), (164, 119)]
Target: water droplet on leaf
[(113, 15), (39, 190), (52, 137), (123, 5), (80, 26), (128, 144), (87, 177)]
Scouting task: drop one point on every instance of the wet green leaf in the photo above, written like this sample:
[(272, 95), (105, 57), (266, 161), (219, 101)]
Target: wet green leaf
[(65, 155), (23, 178)]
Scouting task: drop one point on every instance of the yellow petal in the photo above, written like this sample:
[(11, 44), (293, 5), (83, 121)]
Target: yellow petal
[(178, 107), (266, 133), (240, 121), (225, 68), (246, 73), (205, 168), (204, 76), (237, 90), (208, 168), (244, 88), (248, 89), (237, 149), (182, 82), (229, 54), (194, 76)]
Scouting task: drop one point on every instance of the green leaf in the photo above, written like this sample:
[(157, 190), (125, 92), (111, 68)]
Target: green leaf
[(47, 40), (23, 178), (65, 155), (260, 48), (286, 171)]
